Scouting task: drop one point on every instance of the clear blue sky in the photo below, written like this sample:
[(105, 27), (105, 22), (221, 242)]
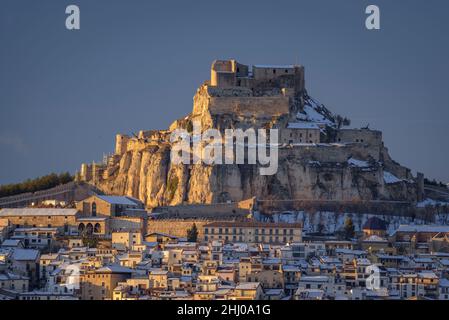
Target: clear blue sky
[(136, 65)]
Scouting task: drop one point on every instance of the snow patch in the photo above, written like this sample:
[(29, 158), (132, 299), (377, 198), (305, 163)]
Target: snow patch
[(358, 163), (333, 221), (431, 203), (390, 178), (302, 125)]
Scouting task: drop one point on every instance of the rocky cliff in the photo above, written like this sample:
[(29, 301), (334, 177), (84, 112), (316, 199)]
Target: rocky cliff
[(346, 164)]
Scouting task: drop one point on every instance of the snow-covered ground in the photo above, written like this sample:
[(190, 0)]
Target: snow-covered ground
[(431, 202), (313, 112), (335, 221)]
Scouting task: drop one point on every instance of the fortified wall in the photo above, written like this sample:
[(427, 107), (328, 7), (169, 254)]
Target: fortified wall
[(177, 227)]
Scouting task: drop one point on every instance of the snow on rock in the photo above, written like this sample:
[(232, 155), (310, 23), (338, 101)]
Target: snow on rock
[(358, 163), (391, 178), (311, 114), (431, 203)]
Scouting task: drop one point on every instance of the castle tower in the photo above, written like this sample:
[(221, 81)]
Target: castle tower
[(121, 143)]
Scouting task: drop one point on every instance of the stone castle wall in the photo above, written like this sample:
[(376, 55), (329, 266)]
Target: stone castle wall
[(370, 137), (250, 106), (177, 227)]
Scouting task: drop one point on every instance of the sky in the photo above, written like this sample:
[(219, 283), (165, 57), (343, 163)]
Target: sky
[(135, 65)]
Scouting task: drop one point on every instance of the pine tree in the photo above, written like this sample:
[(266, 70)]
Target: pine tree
[(349, 229), (192, 234)]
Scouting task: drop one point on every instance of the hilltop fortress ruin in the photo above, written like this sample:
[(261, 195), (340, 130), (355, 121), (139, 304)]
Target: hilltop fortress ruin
[(318, 159)]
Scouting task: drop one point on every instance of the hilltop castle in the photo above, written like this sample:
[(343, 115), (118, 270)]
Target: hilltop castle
[(318, 159)]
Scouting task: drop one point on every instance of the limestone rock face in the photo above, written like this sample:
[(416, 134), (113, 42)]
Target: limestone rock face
[(149, 176), (351, 165)]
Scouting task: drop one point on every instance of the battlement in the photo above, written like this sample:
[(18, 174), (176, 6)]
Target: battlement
[(230, 73)]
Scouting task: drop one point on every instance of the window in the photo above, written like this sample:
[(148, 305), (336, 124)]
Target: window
[(94, 209)]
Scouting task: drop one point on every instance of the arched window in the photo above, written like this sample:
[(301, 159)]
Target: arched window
[(97, 228), (94, 209), (89, 229), (81, 228)]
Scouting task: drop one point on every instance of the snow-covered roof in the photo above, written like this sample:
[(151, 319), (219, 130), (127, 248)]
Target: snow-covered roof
[(310, 293), (350, 251), (303, 125), (444, 262), (428, 275), (422, 228), (273, 292), (290, 268), (314, 279), (158, 272), (11, 276), (363, 262), (247, 286), (87, 219), (120, 200), (11, 243), (25, 254), (375, 238), (273, 66), (50, 256), (12, 212), (114, 268), (444, 283)]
